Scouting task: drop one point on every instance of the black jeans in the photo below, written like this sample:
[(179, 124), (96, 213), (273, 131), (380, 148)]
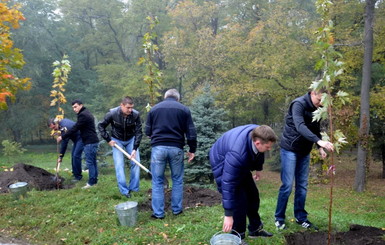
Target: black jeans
[(248, 206)]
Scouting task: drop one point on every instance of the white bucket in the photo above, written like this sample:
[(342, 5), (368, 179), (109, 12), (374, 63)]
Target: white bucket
[(221, 238), (19, 190), (127, 213)]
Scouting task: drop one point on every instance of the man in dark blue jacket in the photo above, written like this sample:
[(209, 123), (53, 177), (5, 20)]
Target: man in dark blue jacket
[(233, 156), (126, 131), (77, 147), (299, 135), (86, 125), (167, 124)]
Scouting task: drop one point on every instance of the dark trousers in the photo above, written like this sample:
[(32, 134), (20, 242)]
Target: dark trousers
[(248, 206), (77, 150)]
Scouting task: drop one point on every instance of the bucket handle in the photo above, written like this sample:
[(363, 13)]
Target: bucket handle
[(237, 234)]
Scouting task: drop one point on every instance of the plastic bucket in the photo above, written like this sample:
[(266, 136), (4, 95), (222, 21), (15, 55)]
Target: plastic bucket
[(19, 190), (127, 213), (221, 238)]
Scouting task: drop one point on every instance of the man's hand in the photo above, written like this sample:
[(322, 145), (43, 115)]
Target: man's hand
[(257, 175), (59, 160), (58, 139), (112, 143), (190, 156), (326, 144), (133, 154), (227, 223)]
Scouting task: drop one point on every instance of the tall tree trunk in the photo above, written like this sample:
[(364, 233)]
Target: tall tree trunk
[(363, 144)]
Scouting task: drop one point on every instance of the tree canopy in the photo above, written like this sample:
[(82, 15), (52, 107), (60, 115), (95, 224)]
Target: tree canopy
[(256, 56), (11, 58)]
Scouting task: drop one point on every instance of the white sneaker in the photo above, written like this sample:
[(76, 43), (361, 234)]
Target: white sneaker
[(87, 186)]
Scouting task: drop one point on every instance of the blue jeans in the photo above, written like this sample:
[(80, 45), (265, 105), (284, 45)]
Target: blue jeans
[(77, 150), (90, 150), (294, 166), (160, 156), (119, 166)]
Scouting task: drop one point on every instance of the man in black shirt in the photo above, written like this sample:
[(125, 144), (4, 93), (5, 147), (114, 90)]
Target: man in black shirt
[(86, 125)]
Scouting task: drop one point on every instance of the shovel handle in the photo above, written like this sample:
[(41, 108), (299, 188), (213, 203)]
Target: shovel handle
[(132, 159)]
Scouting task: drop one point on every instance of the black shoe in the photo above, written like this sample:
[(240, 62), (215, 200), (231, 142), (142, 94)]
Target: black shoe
[(74, 180), (260, 233), (307, 224), (128, 195), (180, 212), (156, 217)]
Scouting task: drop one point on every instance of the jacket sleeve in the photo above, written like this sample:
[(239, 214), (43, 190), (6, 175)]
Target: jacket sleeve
[(103, 125), (63, 147), (231, 178), (138, 132), (191, 134), (81, 122), (148, 127), (299, 122)]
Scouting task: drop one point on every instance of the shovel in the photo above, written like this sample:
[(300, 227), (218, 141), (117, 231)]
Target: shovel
[(132, 159), (165, 180), (57, 178)]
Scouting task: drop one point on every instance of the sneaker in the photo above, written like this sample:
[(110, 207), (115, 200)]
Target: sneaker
[(280, 225), (180, 212), (87, 186), (307, 224), (156, 217), (260, 233)]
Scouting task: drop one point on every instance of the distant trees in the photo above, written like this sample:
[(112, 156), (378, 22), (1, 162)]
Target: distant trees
[(256, 56)]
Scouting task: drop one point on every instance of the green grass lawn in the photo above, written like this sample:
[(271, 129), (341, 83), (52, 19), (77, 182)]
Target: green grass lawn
[(76, 216)]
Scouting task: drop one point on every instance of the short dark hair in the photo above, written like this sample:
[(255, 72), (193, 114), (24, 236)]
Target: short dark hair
[(264, 133), (127, 100), (50, 121), (77, 101)]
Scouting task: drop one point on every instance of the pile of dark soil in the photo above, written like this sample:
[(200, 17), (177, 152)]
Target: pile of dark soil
[(36, 178), (41, 179), (357, 235), (192, 197)]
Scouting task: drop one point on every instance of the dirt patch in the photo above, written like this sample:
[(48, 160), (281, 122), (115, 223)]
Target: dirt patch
[(36, 178), (357, 235), (4, 240), (192, 197)]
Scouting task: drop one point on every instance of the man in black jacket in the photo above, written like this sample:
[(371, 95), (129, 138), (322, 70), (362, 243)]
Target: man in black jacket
[(86, 125), (167, 124), (299, 135), (126, 131)]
